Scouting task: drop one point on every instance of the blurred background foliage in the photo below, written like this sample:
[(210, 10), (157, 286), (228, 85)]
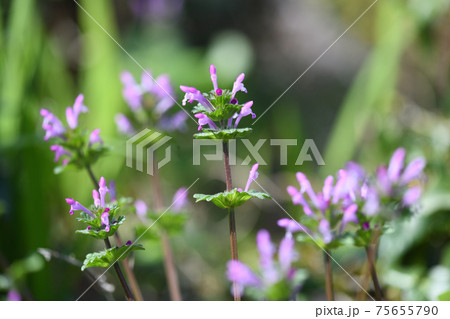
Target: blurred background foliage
[(384, 84)]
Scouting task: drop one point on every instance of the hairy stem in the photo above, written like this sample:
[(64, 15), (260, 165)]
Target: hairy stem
[(328, 276), (126, 265), (373, 272), (120, 275), (232, 218), (169, 264)]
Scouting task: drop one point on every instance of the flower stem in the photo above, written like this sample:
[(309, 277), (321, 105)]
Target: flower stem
[(169, 264), (373, 272), (328, 276), (120, 275), (126, 265), (232, 218)]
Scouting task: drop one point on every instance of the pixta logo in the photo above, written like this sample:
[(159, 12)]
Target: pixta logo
[(142, 147)]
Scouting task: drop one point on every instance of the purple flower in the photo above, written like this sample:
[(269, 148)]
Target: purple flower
[(72, 113), (52, 125), (238, 85), (13, 295), (112, 191), (297, 199), (96, 197), (252, 176), (266, 248), (141, 209), (412, 195), (192, 94), (132, 92), (211, 102), (129, 243), (105, 220), (413, 170), (324, 229), (103, 189), (179, 199), (305, 186), (59, 151), (205, 120), (286, 253), (240, 273), (124, 125), (74, 205), (245, 110), (212, 70), (270, 272), (349, 216), (396, 164), (95, 137), (291, 226)]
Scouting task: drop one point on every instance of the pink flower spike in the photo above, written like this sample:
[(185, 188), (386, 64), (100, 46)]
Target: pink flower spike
[(96, 197), (105, 221), (412, 195), (324, 229), (95, 137), (238, 85), (103, 189), (349, 216), (396, 164), (212, 70), (74, 205), (290, 225), (252, 176), (328, 188), (413, 170)]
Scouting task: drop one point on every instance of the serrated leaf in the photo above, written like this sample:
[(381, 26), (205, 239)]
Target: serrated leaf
[(109, 256), (225, 134), (100, 233), (233, 198)]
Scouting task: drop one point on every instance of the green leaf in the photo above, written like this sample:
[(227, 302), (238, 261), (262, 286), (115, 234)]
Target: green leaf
[(106, 258), (233, 198), (224, 112), (225, 134), (97, 232), (444, 296)]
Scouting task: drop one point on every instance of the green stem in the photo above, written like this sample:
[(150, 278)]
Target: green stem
[(120, 275), (328, 276), (370, 252), (232, 218), (169, 264)]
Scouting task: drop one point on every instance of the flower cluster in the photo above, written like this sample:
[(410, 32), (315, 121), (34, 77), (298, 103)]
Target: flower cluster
[(276, 279), (100, 217), (71, 144), (149, 102), (218, 108), (357, 198)]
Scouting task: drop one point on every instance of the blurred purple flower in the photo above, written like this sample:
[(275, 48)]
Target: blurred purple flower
[(412, 195), (95, 137), (180, 199), (141, 209), (324, 229), (59, 151), (96, 197), (124, 125), (252, 176), (396, 164), (13, 295), (72, 113), (52, 125), (270, 272), (112, 191)]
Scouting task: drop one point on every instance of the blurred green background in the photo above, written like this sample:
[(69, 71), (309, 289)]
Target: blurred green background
[(384, 84)]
